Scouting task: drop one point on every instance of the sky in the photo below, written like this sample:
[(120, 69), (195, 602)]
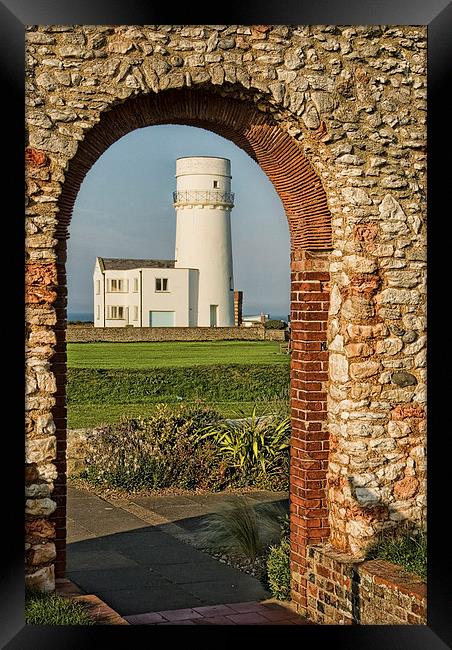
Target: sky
[(124, 209)]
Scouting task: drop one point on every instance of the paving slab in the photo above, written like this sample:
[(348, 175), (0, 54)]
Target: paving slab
[(197, 572), (220, 591), (127, 577), (140, 600), (79, 560)]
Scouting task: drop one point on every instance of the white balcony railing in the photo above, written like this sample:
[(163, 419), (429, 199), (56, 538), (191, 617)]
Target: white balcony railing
[(203, 197)]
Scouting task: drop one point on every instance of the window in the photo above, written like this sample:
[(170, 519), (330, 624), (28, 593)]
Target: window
[(98, 287), (215, 184), (116, 312), (135, 284), (116, 285), (231, 286), (98, 312), (161, 284), (135, 313)]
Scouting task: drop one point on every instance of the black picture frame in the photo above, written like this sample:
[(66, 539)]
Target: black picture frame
[(437, 16)]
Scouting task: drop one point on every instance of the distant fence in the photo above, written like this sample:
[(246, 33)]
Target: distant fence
[(91, 334)]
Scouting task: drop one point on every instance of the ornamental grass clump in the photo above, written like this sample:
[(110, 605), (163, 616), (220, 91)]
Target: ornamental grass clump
[(239, 528)]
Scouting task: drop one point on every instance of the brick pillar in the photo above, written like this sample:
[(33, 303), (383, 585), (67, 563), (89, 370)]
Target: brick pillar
[(238, 303), (310, 443), (59, 368)]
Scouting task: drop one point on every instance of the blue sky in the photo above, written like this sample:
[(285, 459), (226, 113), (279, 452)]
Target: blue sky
[(124, 209)]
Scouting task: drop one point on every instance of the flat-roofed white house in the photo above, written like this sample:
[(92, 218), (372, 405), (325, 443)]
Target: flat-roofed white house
[(196, 289)]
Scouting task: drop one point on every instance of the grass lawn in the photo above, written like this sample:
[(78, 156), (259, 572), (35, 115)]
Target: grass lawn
[(84, 416), (109, 381), (173, 354)]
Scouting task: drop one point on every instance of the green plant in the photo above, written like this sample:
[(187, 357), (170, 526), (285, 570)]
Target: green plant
[(403, 546), (274, 324), (123, 457), (158, 452), (238, 527), (254, 445), (284, 523), (52, 609), (278, 570)]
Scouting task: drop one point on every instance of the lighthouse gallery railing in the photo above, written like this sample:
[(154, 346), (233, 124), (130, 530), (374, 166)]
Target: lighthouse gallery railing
[(191, 197)]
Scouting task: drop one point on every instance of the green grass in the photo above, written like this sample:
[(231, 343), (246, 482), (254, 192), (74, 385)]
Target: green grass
[(211, 383), (51, 609), (107, 381), (84, 416), (408, 550), (174, 354)]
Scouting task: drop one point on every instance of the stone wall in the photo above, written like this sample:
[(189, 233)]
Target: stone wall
[(86, 334), (342, 591), (78, 444), (335, 116)]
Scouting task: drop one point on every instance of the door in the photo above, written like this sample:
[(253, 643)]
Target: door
[(213, 315), (161, 319)]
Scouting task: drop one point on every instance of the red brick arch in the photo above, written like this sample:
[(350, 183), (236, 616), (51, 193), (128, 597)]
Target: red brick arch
[(255, 132), (305, 204)]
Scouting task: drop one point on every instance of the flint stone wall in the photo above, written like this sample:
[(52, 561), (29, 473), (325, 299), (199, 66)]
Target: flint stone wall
[(87, 334)]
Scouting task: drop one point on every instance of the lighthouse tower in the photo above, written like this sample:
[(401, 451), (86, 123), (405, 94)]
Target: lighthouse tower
[(203, 202)]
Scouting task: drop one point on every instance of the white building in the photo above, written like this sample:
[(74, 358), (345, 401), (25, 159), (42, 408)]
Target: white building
[(197, 288), (257, 319)]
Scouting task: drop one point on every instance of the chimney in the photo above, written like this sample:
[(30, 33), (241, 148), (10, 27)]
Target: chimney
[(238, 302)]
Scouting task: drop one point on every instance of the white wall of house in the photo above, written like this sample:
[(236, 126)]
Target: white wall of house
[(128, 297), (175, 299), (98, 280)]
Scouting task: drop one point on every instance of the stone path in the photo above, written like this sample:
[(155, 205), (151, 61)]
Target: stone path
[(134, 557)]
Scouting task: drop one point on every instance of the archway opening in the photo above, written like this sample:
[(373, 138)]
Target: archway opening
[(304, 202)]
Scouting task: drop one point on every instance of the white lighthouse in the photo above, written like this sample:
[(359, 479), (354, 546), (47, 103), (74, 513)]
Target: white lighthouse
[(203, 202)]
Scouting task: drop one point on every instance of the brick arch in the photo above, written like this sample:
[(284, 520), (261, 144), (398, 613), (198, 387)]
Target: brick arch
[(304, 200), (276, 152)]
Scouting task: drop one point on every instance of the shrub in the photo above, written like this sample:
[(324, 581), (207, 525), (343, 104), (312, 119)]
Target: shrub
[(273, 324), (191, 447), (121, 456), (403, 546), (52, 609), (158, 452), (278, 570), (239, 528), (255, 447)]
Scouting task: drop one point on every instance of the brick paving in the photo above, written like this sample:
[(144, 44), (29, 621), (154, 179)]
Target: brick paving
[(250, 613)]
